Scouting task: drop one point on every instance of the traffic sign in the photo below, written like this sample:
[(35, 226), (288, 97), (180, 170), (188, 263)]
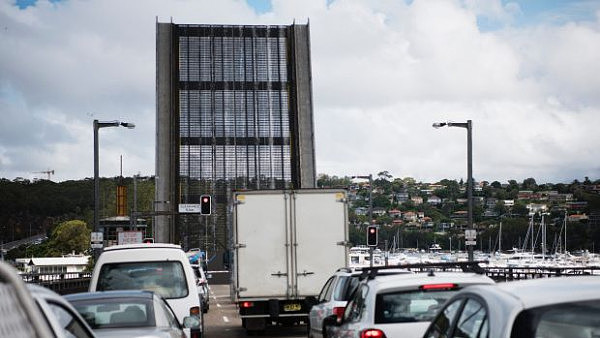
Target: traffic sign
[(97, 240), (96, 237), (189, 208), (129, 237), (470, 242)]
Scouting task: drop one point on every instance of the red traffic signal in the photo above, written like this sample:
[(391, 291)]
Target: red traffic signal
[(372, 236), (205, 204)]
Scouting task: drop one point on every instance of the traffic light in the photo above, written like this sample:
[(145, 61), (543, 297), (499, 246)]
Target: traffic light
[(205, 205), (148, 240), (372, 235)]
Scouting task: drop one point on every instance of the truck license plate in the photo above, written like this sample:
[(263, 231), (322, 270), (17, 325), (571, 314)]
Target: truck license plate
[(292, 307)]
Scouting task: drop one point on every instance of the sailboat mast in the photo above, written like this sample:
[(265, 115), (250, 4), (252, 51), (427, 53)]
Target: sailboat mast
[(565, 224), (543, 226), (500, 239)]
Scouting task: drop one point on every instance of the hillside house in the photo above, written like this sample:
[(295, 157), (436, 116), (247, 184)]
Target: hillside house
[(434, 200), (395, 213), (536, 208), (417, 200)]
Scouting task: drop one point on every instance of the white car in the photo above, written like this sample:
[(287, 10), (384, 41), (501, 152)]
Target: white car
[(556, 307), (159, 267), (332, 299), (398, 305)]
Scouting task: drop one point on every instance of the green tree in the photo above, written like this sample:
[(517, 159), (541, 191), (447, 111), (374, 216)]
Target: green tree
[(530, 184), (68, 237)]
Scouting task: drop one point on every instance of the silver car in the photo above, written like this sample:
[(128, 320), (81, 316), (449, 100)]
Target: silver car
[(202, 284), (332, 299), (400, 304), (567, 307), (64, 320), (129, 313)]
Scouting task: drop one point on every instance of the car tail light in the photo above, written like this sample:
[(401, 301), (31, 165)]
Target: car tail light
[(194, 311), (372, 333), (439, 286), (339, 311), (246, 304)]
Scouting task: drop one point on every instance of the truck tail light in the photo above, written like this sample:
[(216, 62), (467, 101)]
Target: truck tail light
[(440, 286), (372, 333), (339, 311), (246, 304)]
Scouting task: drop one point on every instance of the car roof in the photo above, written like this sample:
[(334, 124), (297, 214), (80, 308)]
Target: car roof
[(38, 290), (411, 280), (143, 246), (110, 294), (545, 291), (348, 272), (508, 299)]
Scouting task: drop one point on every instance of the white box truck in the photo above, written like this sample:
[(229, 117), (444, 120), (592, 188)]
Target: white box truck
[(286, 244)]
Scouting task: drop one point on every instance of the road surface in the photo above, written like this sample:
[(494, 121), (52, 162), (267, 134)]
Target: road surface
[(222, 320)]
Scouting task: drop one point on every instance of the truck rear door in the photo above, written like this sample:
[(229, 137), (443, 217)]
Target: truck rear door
[(320, 219), (262, 227)]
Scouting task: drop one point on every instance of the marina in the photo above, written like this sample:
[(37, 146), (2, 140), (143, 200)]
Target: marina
[(500, 266)]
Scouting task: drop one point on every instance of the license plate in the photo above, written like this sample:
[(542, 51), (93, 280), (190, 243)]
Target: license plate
[(292, 307)]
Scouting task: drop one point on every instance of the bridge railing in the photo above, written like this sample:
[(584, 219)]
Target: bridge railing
[(71, 282), (61, 283)]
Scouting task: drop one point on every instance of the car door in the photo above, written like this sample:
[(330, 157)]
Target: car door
[(318, 311), (472, 321), (355, 314), (464, 317)]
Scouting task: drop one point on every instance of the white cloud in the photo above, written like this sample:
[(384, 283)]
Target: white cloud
[(383, 72)]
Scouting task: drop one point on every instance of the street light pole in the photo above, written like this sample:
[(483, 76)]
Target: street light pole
[(98, 125), (468, 125)]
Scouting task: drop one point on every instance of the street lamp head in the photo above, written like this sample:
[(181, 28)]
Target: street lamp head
[(128, 125), (438, 124)]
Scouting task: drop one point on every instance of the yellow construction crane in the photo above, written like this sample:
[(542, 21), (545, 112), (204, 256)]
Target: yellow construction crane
[(47, 172)]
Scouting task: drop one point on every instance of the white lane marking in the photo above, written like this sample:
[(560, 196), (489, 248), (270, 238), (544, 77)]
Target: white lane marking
[(225, 319), (218, 305)]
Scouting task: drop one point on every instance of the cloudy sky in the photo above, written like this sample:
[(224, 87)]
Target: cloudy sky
[(527, 73)]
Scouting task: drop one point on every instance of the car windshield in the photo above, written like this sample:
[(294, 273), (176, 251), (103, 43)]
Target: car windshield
[(103, 313), (165, 278), (414, 306), (579, 319)]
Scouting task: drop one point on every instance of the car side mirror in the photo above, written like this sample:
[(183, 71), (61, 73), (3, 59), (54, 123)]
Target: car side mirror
[(332, 320), (191, 322)]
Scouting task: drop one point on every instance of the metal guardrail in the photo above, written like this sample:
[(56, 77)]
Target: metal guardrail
[(65, 283), (61, 283), (505, 274)]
